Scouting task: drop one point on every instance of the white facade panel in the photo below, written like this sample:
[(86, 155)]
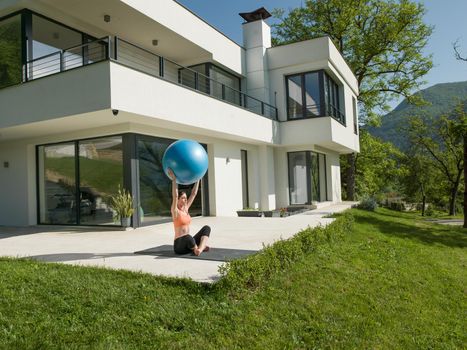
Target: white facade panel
[(69, 93), (17, 179), (184, 109)]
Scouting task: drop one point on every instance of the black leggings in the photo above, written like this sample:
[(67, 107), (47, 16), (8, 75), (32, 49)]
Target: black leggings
[(185, 244)]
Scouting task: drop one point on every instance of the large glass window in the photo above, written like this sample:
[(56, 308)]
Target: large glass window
[(314, 177), (224, 85), (100, 175), (212, 80), (307, 177), (294, 97), (48, 38), (76, 180), (155, 192), (298, 183), (313, 94), (10, 51), (57, 184)]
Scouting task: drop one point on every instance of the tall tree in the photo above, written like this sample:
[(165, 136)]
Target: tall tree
[(459, 126), (382, 41), (421, 180), (443, 139), (462, 128)]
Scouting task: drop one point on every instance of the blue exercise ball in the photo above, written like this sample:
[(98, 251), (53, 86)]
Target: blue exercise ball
[(187, 159)]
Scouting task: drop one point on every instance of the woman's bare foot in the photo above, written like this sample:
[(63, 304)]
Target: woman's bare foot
[(197, 251)]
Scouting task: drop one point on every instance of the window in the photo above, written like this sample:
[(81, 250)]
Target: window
[(10, 51), (76, 180), (313, 94), (155, 188), (212, 80), (307, 177), (355, 116)]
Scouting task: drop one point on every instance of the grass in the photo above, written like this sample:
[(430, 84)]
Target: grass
[(394, 282)]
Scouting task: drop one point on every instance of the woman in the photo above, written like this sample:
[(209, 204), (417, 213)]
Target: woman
[(184, 243)]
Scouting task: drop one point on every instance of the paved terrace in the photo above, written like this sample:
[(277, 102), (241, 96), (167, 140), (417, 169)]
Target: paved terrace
[(231, 237)]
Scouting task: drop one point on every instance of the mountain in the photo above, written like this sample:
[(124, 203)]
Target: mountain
[(442, 99)]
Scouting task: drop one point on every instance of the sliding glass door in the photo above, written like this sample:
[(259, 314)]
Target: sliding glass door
[(307, 177), (77, 179)]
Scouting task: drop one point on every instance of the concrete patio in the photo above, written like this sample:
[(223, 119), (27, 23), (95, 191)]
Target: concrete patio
[(116, 249)]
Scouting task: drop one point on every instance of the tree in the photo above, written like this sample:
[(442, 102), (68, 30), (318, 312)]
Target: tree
[(459, 127), (462, 129), (443, 139), (421, 180), (457, 54), (382, 41), (377, 165)]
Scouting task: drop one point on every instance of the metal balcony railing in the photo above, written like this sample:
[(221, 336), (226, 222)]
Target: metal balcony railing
[(315, 111), (145, 61)]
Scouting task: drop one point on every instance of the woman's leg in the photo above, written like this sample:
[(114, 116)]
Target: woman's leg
[(184, 245), (201, 239)]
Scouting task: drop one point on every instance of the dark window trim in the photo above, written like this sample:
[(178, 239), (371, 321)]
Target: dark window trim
[(245, 152), (12, 14)]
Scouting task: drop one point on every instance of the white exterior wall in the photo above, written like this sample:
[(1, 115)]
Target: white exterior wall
[(334, 177), (18, 191), (257, 39)]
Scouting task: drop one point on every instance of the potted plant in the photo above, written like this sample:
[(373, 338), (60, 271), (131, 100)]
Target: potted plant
[(122, 204)]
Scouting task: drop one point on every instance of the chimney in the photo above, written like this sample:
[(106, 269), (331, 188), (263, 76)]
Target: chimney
[(256, 40)]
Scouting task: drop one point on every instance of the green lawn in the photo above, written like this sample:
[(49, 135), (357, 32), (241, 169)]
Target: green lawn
[(395, 282)]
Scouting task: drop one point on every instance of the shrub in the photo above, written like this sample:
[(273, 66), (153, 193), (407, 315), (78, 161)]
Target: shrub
[(254, 270), (369, 204), (429, 211), (399, 206)]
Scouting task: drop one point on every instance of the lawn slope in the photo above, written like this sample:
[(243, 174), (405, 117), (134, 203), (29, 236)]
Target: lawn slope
[(393, 282)]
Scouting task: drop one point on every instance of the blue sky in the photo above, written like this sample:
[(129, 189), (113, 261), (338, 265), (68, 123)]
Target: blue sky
[(448, 16)]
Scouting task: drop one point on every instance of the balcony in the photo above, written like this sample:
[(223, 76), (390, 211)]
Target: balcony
[(132, 56)]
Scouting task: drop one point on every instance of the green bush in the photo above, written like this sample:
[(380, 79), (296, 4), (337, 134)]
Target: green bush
[(429, 211), (399, 206), (252, 271), (368, 204)]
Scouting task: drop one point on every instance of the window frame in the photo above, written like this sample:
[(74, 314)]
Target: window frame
[(323, 81)]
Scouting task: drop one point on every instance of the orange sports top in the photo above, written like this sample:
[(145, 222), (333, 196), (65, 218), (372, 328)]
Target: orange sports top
[(182, 219)]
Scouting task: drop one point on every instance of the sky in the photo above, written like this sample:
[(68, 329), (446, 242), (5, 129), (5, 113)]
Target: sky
[(449, 18)]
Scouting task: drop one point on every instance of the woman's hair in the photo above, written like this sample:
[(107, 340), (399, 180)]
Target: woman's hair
[(181, 193)]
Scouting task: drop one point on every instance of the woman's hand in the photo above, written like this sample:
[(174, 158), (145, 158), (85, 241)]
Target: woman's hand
[(171, 174)]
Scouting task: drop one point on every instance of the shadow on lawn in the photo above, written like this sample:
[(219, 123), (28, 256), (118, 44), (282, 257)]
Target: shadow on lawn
[(430, 234)]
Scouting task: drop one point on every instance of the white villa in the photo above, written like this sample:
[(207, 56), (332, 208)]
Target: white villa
[(92, 93)]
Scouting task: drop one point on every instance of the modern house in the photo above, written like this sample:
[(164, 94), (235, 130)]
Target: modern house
[(92, 93)]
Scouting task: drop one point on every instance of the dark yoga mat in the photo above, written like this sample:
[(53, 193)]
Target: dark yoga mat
[(216, 254)]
